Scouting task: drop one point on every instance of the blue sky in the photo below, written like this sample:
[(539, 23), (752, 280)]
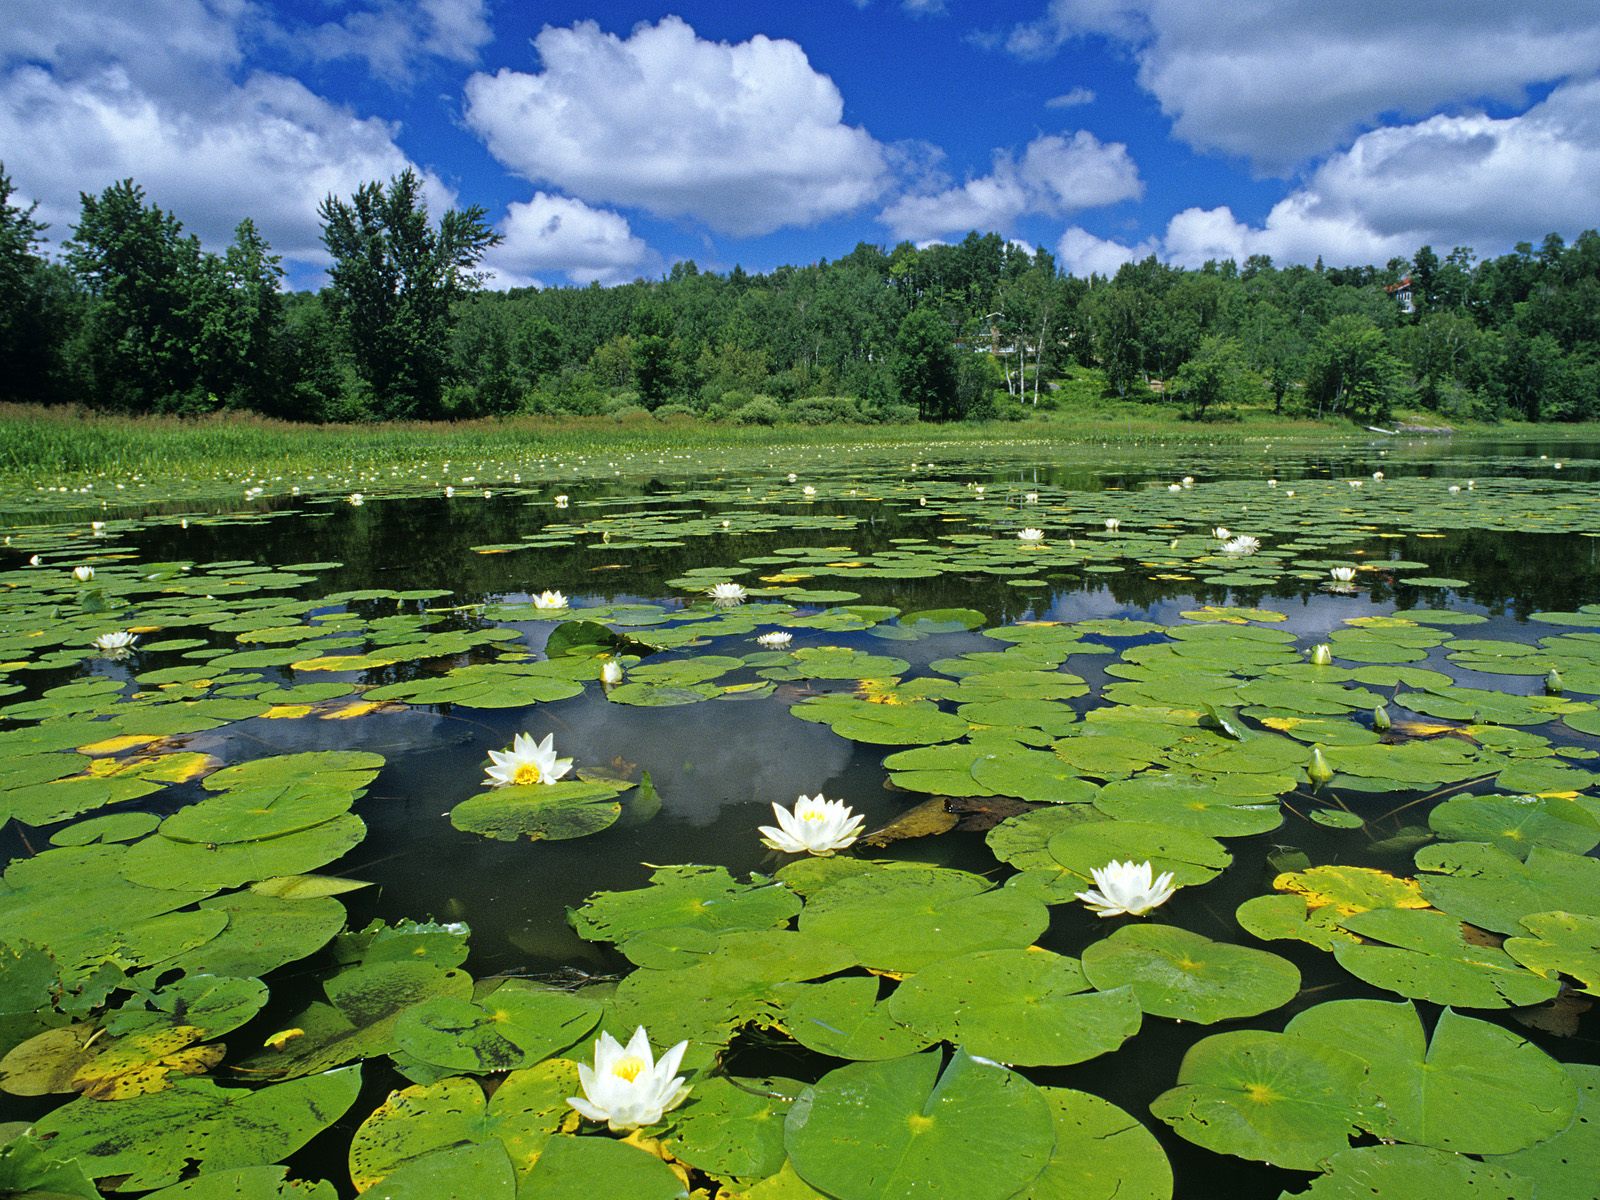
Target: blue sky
[(608, 141)]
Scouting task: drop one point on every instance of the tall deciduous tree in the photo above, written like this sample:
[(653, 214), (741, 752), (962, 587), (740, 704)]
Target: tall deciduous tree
[(394, 278), (146, 316), (925, 367)]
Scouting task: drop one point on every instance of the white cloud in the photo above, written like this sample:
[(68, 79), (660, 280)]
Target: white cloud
[(89, 96), (556, 233), (1072, 98), (747, 138), (1055, 175), (1468, 180), (1280, 81), (393, 36), (1081, 253)]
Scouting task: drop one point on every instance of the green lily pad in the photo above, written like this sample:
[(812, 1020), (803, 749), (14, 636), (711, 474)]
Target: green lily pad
[(699, 897), (587, 1168), (1274, 1097), (1101, 1153), (1560, 943), (884, 1130), (904, 920), (845, 1018), (1480, 883), (526, 1110), (1421, 954), (1193, 858), (1025, 1007), (1478, 1089), (1401, 1172), (567, 808), (147, 1141), (513, 1026), (1564, 1167), (734, 1129), (1516, 824), (1178, 974)]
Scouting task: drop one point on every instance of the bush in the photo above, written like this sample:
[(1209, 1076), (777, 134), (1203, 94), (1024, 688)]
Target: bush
[(762, 410), (823, 410), (668, 411), (629, 413)]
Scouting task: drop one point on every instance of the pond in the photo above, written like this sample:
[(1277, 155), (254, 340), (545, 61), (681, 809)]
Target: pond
[(270, 916)]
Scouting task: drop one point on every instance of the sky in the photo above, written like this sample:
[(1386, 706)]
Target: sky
[(608, 141)]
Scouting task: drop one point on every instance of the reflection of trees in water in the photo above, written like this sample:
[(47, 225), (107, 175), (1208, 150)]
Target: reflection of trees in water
[(428, 542)]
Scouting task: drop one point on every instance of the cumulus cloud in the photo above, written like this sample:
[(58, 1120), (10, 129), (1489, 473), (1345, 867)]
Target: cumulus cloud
[(747, 138), (90, 95), (1055, 175), (1469, 180), (1280, 81), (559, 234), (395, 36), (1083, 254)]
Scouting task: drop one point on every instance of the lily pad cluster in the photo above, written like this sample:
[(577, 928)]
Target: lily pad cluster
[(181, 981)]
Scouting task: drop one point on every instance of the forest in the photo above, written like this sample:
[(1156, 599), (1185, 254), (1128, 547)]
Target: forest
[(129, 314)]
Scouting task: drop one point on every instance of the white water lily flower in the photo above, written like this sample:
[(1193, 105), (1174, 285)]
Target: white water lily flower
[(1030, 497), (550, 600), (1222, 533), (726, 593), (1030, 536), (610, 672), (83, 574), (776, 640), (1355, 483), (34, 560), (1174, 487), (449, 491), (627, 1088), (1243, 544), (1188, 481), (1272, 483), (356, 498), (1342, 574), (1455, 488), (815, 826), (1321, 654), (1127, 887), (793, 477), (1112, 524), (808, 490), (561, 501), (1377, 476), (526, 762), (117, 644)]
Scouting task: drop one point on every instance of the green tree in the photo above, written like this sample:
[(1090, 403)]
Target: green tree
[(1217, 377), (31, 333), (925, 366), (148, 302), (393, 281), (1350, 370)]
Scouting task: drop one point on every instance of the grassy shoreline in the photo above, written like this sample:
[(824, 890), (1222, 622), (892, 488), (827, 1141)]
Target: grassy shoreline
[(56, 452)]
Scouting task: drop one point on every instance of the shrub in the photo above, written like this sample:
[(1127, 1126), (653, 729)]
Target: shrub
[(762, 410)]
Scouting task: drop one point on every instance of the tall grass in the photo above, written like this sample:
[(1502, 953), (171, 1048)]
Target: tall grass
[(63, 445)]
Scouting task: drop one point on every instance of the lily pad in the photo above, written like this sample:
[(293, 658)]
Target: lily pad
[(1024, 1007), (884, 1130), (1178, 974)]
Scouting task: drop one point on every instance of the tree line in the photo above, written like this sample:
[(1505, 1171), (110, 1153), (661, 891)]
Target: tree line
[(134, 316)]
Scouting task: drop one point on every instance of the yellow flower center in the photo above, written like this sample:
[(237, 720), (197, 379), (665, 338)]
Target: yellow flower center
[(526, 773), (811, 815), (628, 1068)]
